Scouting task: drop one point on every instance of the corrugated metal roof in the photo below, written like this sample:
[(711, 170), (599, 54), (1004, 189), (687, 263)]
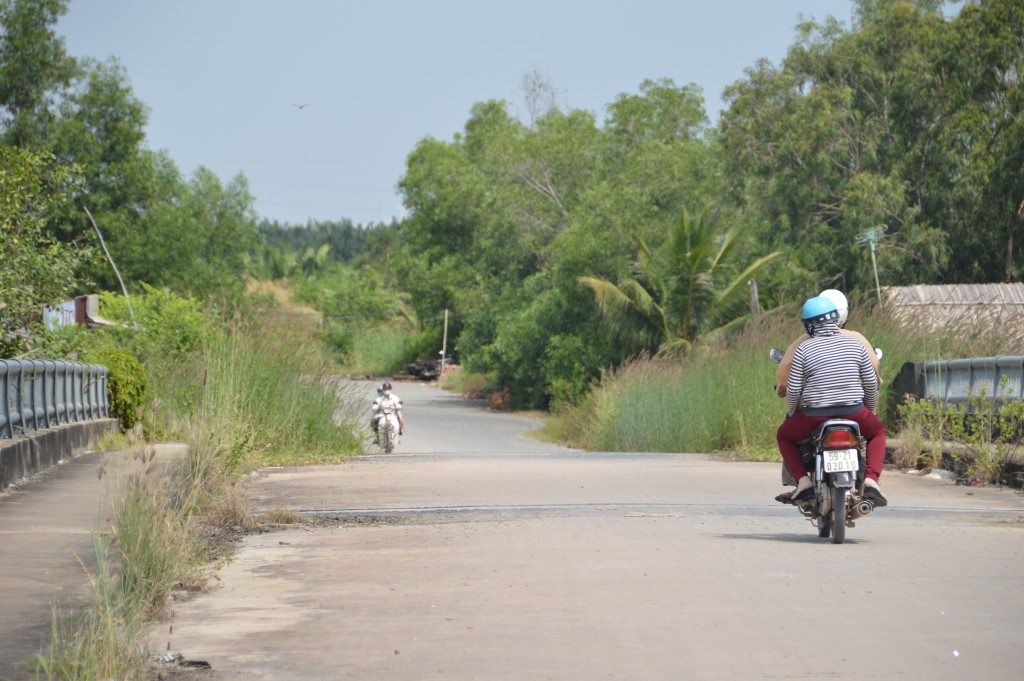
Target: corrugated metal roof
[(965, 306), (1006, 295)]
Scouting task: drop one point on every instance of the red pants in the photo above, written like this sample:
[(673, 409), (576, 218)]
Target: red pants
[(799, 426)]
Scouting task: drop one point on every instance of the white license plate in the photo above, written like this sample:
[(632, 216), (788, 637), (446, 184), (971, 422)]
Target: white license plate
[(837, 460)]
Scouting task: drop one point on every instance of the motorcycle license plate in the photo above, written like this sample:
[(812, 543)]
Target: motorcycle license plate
[(838, 460)]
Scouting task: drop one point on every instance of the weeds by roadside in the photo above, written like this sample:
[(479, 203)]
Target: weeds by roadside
[(720, 399), (102, 640), (986, 436), (138, 560), (472, 385), (247, 395), (281, 516)]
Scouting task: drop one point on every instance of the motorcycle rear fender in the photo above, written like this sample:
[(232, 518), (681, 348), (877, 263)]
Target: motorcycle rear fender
[(843, 479), (819, 430)]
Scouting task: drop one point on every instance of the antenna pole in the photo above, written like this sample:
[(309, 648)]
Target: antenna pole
[(874, 266), (871, 236)]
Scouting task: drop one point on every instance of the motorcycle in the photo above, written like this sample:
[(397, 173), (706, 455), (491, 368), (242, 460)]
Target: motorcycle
[(834, 456), (387, 426)]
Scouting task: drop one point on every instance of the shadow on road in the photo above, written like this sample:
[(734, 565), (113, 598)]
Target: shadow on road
[(790, 538)]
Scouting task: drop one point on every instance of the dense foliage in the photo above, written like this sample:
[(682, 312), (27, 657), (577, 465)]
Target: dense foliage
[(126, 382), (910, 121), (35, 267), (82, 119), (506, 219), (563, 244)]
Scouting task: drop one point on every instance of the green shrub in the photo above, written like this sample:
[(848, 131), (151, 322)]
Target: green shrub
[(987, 433), (161, 326), (126, 383)]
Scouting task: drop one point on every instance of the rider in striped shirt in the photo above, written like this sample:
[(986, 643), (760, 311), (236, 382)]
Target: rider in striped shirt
[(843, 306), (832, 376)]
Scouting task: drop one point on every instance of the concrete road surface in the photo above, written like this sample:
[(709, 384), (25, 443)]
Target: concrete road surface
[(475, 553)]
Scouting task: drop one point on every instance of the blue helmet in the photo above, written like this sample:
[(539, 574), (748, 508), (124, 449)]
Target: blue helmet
[(817, 311)]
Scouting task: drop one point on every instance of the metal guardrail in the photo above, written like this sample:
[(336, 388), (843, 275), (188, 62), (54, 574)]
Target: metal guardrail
[(40, 394), (956, 381)]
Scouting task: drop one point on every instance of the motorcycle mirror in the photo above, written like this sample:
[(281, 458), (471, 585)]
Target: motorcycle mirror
[(878, 353), (776, 355)]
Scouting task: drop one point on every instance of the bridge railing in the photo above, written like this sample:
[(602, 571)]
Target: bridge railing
[(40, 394), (957, 381)]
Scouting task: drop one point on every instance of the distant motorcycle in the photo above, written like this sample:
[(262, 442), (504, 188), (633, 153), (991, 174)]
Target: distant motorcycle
[(834, 456), (388, 425)]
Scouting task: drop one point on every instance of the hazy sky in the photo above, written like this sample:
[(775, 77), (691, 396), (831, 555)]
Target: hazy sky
[(223, 78)]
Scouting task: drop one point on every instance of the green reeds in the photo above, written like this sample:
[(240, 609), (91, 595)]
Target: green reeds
[(268, 392), (248, 395), (102, 640), (720, 398), (697, 405), (381, 350), (146, 551)]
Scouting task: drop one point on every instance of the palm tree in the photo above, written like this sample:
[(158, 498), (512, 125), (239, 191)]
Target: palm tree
[(679, 292), (314, 260)]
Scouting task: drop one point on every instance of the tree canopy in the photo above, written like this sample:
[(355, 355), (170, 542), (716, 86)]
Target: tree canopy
[(566, 242)]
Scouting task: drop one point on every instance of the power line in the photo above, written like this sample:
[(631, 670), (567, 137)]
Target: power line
[(342, 187)]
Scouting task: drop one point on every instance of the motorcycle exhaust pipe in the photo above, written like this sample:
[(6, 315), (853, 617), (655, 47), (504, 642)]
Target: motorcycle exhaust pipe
[(862, 508)]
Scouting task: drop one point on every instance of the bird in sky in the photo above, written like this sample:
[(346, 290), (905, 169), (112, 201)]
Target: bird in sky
[(302, 106)]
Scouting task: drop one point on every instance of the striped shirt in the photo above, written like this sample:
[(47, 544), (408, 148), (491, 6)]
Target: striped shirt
[(831, 369)]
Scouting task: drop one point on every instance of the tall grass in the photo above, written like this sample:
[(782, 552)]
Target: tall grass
[(720, 398), (267, 392), (659, 404), (250, 394), (145, 552), (101, 641), (381, 350)]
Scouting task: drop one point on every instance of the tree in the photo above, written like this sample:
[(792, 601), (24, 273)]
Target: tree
[(680, 291), (505, 218), (984, 137), (199, 242), (100, 128), (33, 67), (908, 119), (35, 269)]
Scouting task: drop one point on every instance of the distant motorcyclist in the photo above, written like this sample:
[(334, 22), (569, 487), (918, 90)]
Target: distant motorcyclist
[(384, 394), (843, 306), (832, 376)]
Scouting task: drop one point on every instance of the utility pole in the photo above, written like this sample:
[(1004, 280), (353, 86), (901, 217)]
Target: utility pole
[(755, 304), (871, 237), (444, 343)]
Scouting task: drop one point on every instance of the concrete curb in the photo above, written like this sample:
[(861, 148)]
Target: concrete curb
[(25, 456)]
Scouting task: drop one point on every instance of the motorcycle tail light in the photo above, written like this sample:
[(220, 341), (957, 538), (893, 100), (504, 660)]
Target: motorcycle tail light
[(839, 439)]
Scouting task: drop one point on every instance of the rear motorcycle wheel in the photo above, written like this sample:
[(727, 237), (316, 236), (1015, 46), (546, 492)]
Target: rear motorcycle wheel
[(838, 515), (824, 521)]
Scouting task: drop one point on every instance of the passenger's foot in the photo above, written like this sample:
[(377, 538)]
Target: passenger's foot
[(804, 490), (873, 493)]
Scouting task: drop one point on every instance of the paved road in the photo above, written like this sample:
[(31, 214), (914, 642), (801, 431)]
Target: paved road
[(476, 553)]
